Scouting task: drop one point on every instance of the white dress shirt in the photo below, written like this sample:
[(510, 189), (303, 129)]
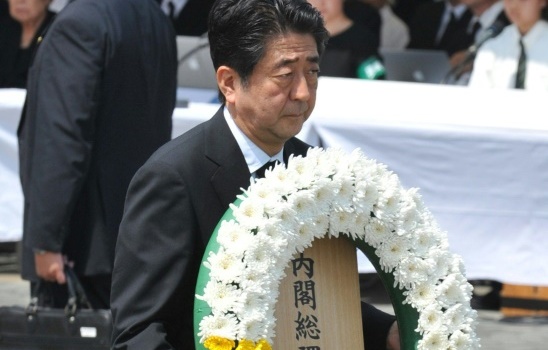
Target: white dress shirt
[(254, 156), (496, 63), (487, 18)]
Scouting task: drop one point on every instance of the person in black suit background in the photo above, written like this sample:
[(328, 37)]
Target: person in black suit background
[(101, 92), (266, 54), (20, 26), (189, 17), (443, 25)]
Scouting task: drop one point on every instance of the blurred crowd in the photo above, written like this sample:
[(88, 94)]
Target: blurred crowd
[(359, 32)]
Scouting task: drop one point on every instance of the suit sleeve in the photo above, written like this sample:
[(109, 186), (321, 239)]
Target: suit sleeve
[(154, 270), (376, 325), (62, 95)]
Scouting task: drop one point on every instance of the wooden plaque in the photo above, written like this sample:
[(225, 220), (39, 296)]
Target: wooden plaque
[(319, 303)]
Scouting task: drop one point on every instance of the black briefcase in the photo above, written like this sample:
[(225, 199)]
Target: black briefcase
[(76, 327)]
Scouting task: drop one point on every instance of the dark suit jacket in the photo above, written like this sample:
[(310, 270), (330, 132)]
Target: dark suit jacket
[(14, 61), (424, 28), (192, 20), (173, 204), (101, 93)]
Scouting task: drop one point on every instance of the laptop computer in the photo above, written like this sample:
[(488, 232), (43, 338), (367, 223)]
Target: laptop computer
[(422, 66), (195, 68)]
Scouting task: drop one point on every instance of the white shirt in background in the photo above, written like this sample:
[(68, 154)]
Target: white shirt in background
[(496, 63)]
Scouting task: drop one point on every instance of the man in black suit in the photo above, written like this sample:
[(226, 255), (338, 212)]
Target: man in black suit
[(101, 93), (442, 25), (266, 54)]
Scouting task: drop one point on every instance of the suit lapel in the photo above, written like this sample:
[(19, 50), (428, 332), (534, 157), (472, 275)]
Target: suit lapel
[(221, 148)]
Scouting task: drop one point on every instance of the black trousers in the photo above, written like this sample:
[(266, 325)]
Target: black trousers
[(97, 288)]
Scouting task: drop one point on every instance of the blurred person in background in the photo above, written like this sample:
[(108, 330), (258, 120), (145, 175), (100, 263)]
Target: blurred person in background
[(394, 32), (518, 57), (442, 25), (20, 28), (350, 42), (100, 96)]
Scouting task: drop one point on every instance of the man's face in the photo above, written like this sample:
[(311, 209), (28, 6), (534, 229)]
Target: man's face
[(524, 13), (280, 93)]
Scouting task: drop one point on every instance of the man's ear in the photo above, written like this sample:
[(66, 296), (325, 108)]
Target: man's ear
[(227, 79)]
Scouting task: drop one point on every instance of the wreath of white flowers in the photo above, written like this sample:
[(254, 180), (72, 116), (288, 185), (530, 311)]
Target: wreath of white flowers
[(283, 213)]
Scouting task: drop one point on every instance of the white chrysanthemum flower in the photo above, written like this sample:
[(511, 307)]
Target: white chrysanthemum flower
[(343, 185), (411, 271), (360, 221), (365, 195), (431, 318), (221, 297), (253, 281), (274, 236), (259, 255), (304, 205), (435, 340), (454, 317), (442, 259), (392, 251), (282, 181), (285, 217), (252, 328), (220, 325), (340, 222), (461, 341), (225, 266), (233, 235), (323, 192), (423, 240), (454, 289), (421, 296), (377, 232), (456, 264), (303, 171), (305, 234), (249, 213)]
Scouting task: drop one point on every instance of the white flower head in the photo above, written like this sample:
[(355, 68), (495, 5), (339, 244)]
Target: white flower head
[(435, 340), (392, 251), (421, 296), (233, 235), (412, 270), (224, 266), (220, 325), (249, 213), (221, 297)]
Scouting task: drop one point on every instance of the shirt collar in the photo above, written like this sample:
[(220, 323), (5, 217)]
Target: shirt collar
[(177, 6), (254, 156), (488, 17), (534, 33)]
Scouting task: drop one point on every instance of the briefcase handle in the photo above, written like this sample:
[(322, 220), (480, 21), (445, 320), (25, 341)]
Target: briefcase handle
[(77, 297)]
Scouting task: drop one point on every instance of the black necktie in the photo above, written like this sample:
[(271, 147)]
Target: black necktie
[(260, 172), (522, 68)]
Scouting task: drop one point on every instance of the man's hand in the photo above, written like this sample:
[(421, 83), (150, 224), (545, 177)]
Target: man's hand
[(50, 266), (393, 338)]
